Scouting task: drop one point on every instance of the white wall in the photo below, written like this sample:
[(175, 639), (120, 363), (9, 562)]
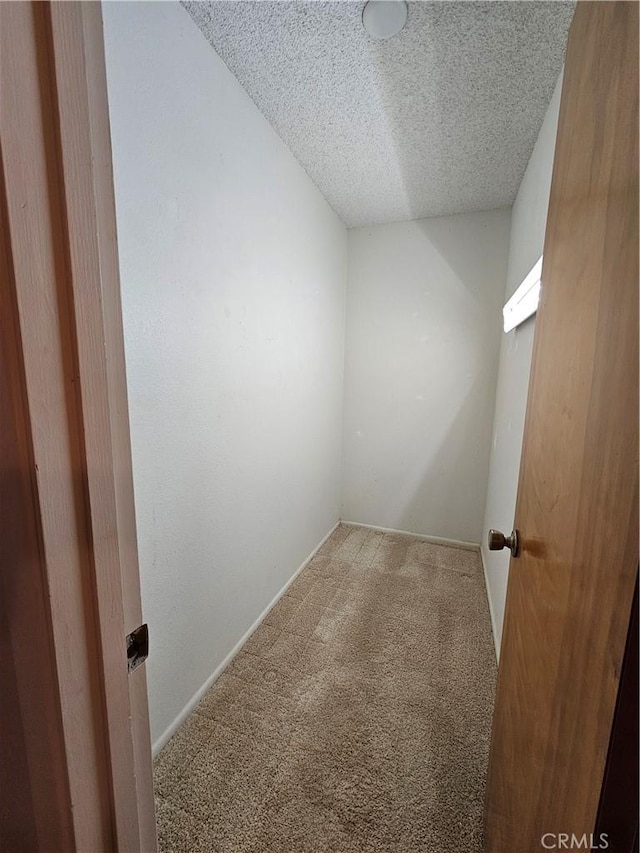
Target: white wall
[(233, 274), (423, 334), (528, 222)]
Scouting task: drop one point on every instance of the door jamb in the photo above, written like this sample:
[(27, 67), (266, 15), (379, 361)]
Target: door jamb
[(60, 232)]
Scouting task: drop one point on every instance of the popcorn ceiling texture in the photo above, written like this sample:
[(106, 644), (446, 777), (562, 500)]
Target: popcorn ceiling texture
[(439, 119), (356, 718)]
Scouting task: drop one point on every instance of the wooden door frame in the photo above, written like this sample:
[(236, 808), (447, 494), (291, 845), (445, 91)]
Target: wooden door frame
[(66, 374)]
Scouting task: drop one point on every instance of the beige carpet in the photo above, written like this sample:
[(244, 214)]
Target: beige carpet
[(356, 718)]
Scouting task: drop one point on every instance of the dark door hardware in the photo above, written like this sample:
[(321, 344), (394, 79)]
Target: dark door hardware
[(137, 647)]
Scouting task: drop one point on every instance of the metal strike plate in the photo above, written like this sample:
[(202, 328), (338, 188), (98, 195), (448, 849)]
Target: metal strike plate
[(137, 647)]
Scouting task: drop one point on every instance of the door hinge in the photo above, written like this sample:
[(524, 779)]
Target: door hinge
[(137, 647)]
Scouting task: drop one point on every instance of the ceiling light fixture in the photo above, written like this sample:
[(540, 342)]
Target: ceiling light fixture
[(383, 19)]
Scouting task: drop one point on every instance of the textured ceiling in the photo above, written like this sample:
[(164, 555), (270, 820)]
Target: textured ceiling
[(439, 119)]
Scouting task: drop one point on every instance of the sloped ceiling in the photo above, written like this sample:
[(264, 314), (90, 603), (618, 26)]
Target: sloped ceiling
[(440, 119)]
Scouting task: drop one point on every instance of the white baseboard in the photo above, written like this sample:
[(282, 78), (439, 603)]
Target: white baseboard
[(188, 708), (437, 540), (494, 632)]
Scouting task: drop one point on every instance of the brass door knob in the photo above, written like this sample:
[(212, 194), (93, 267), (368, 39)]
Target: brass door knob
[(498, 541)]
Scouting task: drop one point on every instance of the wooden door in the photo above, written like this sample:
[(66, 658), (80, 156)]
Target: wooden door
[(76, 727), (570, 590)]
